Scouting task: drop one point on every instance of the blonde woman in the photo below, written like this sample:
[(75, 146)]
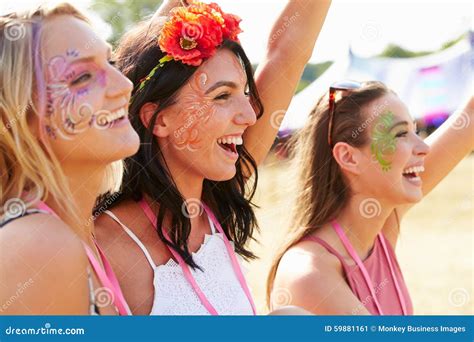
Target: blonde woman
[(63, 109)]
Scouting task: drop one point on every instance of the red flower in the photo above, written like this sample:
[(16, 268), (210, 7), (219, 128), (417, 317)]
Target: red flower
[(231, 27), (195, 32)]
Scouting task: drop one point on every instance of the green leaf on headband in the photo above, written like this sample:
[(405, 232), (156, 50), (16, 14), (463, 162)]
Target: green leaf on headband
[(165, 59)]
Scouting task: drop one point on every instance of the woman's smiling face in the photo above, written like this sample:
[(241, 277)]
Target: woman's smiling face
[(201, 131), (394, 157), (86, 119)]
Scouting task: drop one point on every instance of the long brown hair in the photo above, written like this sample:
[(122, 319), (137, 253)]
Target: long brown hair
[(322, 191), (147, 172)]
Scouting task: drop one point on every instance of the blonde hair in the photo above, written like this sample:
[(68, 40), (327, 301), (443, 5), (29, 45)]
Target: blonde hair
[(29, 170)]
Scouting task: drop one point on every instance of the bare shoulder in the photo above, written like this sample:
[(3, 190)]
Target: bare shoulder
[(303, 262), (43, 266), (123, 252), (110, 234), (107, 230), (128, 261), (313, 279)]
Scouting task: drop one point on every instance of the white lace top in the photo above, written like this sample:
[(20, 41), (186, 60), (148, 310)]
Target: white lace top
[(175, 296)]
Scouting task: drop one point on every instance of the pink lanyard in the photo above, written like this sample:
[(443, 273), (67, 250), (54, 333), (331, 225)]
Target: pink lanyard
[(107, 277), (340, 232), (185, 268)]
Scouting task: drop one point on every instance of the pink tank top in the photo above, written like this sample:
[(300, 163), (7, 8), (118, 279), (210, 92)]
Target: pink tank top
[(382, 268)]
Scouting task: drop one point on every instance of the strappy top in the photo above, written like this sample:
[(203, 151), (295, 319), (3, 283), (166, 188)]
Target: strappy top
[(10, 218), (93, 307), (173, 295), (106, 276), (388, 284)]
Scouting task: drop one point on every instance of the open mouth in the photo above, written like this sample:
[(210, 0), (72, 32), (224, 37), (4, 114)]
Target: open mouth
[(117, 116), (229, 144), (412, 174)]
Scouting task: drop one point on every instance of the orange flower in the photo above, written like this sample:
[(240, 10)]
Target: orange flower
[(195, 32)]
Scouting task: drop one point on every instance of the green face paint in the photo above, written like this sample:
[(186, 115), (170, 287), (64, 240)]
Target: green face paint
[(384, 142)]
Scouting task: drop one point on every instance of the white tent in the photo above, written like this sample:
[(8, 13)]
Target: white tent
[(432, 86)]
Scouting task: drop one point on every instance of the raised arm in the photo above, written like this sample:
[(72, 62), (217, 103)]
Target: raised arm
[(289, 48), (449, 144), (166, 6)]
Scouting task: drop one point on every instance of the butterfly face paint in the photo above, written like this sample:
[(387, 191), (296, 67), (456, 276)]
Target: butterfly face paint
[(68, 113), (383, 140)]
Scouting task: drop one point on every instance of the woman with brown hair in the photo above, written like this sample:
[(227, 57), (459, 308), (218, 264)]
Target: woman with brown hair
[(362, 167), (205, 123)]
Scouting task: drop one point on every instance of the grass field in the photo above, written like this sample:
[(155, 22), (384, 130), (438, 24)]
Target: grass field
[(435, 250)]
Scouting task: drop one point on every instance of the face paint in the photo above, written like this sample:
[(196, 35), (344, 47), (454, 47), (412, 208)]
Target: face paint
[(72, 53), (383, 141), (197, 110), (68, 114)]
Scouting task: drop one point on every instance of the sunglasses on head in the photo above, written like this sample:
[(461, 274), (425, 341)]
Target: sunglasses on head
[(338, 86)]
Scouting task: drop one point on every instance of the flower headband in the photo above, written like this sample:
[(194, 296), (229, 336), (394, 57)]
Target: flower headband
[(193, 34)]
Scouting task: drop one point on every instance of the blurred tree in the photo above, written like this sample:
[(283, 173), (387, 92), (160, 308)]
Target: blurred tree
[(312, 72), (122, 14), (395, 51)]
